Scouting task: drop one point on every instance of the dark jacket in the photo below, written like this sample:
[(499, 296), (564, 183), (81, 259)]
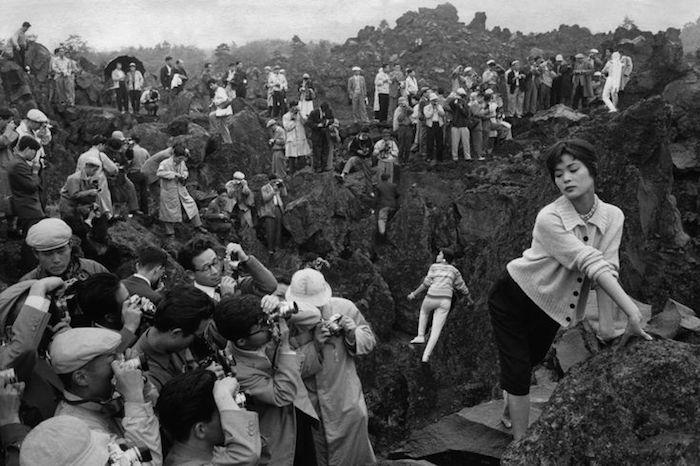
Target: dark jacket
[(515, 81), (460, 112), (138, 286), (387, 195), (165, 77), (26, 188), (358, 144)]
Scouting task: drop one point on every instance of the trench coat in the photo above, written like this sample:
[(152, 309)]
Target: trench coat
[(173, 192), (335, 391), (296, 144)]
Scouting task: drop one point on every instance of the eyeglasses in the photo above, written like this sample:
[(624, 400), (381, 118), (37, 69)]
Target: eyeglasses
[(213, 265)]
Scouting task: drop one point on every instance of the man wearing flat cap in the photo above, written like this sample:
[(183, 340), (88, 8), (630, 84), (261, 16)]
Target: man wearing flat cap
[(36, 125), (85, 360), (357, 95), (50, 239)]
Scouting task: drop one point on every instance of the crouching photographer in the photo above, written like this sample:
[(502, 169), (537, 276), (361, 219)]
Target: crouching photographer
[(105, 390), (268, 370)]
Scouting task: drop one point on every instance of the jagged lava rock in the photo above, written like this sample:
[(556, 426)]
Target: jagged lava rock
[(640, 405)]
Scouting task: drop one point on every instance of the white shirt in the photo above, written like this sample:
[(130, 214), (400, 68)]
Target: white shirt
[(138, 275), (209, 290)]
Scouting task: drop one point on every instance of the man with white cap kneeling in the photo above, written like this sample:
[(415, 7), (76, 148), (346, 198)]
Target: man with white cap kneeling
[(50, 239), (85, 360), (334, 386)]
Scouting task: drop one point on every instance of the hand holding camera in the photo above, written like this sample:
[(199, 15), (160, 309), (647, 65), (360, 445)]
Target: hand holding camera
[(227, 395), (128, 381), (10, 397)]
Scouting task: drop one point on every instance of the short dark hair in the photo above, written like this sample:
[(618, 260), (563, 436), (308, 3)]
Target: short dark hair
[(384, 176), (136, 139), (180, 150), (293, 103), (581, 150), (97, 300), (221, 189), (235, 315), (151, 256), (168, 58), (186, 400), (98, 139), (185, 308), (28, 142), (26, 24), (211, 81), (192, 249), (114, 144), (448, 254)]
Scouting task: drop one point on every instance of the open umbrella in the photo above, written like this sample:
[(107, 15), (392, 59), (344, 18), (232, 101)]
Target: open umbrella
[(125, 60)]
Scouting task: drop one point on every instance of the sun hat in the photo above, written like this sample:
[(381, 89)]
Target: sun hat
[(310, 287)]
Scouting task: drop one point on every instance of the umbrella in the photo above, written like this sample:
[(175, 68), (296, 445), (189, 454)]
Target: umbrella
[(124, 60)]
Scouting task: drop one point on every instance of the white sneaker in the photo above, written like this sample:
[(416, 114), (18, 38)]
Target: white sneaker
[(418, 340)]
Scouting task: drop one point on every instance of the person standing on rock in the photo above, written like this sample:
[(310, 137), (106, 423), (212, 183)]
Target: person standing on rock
[(395, 89), (319, 121), (357, 95), (174, 197), (25, 184), (434, 120), (222, 115), (441, 281), (243, 201), (386, 151), (64, 75), (134, 84), (19, 44), (403, 127), (335, 390), (582, 82), (515, 82), (613, 71), (36, 125), (297, 147), (8, 138), (119, 86), (411, 87), (240, 81), (166, 77), (575, 244), (460, 124), (272, 211), (490, 76), (307, 94), (277, 143), (381, 94)]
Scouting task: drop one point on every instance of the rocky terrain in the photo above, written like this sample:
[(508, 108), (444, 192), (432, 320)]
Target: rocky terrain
[(649, 167)]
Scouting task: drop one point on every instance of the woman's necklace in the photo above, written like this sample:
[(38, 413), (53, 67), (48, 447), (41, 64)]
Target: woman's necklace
[(588, 215)]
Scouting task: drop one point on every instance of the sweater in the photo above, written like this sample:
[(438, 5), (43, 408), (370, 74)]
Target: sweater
[(442, 279), (566, 256)]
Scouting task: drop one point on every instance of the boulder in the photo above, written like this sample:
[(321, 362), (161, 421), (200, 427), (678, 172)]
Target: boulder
[(559, 111), (640, 405), (685, 155)]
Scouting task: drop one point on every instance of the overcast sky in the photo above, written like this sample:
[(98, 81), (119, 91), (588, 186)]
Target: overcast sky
[(110, 24)]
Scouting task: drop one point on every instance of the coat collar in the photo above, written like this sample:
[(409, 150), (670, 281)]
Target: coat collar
[(570, 218)]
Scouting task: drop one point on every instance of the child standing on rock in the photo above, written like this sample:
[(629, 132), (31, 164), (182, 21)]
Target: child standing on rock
[(441, 281)]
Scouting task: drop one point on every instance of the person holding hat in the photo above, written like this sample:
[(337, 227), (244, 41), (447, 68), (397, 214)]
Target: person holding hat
[(25, 184), (174, 197), (64, 76), (331, 348), (582, 82), (221, 117), (243, 200), (134, 85), (403, 127), (8, 138), (272, 211), (307, 94), (201, 416), (357, 95), (50, 240), (277, 143), (119, 86), (269, 370), (85, 360), (36, 125)]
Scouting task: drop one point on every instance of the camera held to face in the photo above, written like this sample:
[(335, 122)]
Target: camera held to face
[(333, 325), (120, 454), (284, 310)]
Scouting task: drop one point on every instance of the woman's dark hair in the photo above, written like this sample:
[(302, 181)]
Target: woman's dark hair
[(184, 308), (186, 400), (236, 315), (581, 150), (97, 298), (448, 254)]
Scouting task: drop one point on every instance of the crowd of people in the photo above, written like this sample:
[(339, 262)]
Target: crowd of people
[(236, 365)]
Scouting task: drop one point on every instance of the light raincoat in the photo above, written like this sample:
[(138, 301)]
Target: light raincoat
[(296, 144), (173, 193)]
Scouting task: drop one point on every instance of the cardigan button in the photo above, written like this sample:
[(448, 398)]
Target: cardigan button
[(585, 238), (575, 293), (579, 279), (572, 306), (568, 319)]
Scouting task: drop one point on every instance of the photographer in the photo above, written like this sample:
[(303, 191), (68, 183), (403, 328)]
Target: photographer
[(217, 215), (123, 190), (330, 375), (81, 187), (147, 282), (36, 125), (85, 359), (201, 415), (268, 370), (243, 199), (150, 99), (106, 167), (272, 211), (235, 273), (25, 185), (360, 151), (8, 138), (386, 152), (460, 124)]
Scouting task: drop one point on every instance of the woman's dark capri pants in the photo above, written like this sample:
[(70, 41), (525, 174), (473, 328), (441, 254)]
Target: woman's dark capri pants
[(523, 334)]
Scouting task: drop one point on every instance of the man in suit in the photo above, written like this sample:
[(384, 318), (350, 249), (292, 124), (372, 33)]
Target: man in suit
[(150, 270), (166, 76), (25, 184), (272, 211), (357, 93), (240, 80)]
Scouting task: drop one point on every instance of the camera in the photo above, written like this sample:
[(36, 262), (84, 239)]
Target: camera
[(7, 377), (63, 302), (148, 309), (123, 455), (138, 362), (333, 325), (284, 310)]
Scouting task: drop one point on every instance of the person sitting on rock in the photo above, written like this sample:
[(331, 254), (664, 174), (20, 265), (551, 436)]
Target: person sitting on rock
[(575, 244), (174, 197), (221, 117), (124, 197), (235, 273), (441, 281), (360, 151), (217, 215), (107, 167), (243, 201), (387, 153), (149, 99)]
